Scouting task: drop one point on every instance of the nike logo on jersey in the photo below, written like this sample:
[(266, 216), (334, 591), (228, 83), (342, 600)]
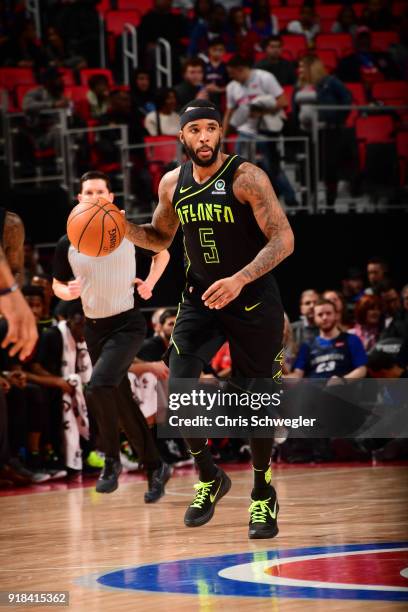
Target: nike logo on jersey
[(249, 308), (183, 189)]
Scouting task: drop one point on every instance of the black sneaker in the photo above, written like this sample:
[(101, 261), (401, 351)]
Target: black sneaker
[(108, 479), (263, 521), (207, 495), (157, 480)]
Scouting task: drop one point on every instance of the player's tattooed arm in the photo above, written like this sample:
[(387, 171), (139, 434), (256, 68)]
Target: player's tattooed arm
[(158, 234), (13, 242), (252, 186)]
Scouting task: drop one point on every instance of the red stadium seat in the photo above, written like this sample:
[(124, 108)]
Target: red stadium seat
[(296, 44), (329, 11), (159, 156), (103, 6), (329, 58), (381, 41), (10, 77), (359, 97), (115, 20), (358, 8), (402, 150), (374, 129), (20, 91), (341, 43), (143, 6), (288, 89), (326, 26), (67, 76), (76, 93), (293, 2), (399, 8), (86, 74), (285, 14), (385, 91)]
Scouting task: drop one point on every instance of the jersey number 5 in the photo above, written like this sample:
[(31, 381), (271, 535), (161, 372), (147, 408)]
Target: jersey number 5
[(208, 244)]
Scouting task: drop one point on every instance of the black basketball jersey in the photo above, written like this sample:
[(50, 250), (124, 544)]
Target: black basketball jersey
[(221, 235)]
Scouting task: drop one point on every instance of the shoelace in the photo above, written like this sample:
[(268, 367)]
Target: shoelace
[(203, 489), (259, 510)]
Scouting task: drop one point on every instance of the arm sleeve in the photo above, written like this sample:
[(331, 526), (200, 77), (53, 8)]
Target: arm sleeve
[(302, 358), (357, 351), (271, 85), (62, 270), (230, 96), (150, 123)]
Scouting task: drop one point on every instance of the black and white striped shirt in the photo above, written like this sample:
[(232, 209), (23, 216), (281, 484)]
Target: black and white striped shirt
[(107, 282)]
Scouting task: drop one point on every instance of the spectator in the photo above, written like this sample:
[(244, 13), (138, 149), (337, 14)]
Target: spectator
[(368, 321), (192, 86), (48, 96), (305, 330), (377, 16), (202, 11), (290, 347), (315, 86), (346, 22), (57, 52), (164, 121), (308, 24), (221, 362), (395, 317), (154, 348), (32, 266), (263, 22), (352, 288), (404, 299), (333, 354), (120, 113), (377, 272), (364, 64), (337, 298), (24, 49), (215, 70), (142, 94), (282, 69), (161, 22), (204, 31), (78, 21), (242, 40), (255, 107), (155, 320), (45, 282), (98, 95)]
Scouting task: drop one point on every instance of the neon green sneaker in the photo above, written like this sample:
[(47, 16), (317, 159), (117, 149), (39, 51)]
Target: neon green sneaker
[(207, 495), (96, 459), (263, 518)]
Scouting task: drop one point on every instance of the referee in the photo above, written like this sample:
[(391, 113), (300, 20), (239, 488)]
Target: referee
[(114, 332)]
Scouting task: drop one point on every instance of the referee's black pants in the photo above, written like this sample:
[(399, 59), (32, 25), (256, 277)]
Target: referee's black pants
[(113, 342)]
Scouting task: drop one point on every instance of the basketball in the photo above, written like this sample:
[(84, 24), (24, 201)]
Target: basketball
[(96, 227)]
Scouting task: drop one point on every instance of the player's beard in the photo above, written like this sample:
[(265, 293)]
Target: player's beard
[(199, 162)]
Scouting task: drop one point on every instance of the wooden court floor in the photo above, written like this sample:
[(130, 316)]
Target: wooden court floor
[(62, 538)]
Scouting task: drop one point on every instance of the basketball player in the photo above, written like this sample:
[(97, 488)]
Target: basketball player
[(235, 233), (114, 332)]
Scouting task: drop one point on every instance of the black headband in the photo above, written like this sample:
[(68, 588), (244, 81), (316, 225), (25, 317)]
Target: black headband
[(192, 113)]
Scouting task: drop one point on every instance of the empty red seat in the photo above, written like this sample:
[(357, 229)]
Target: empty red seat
[(375, 129), (359, 97), (288, 89), (329, 11), (76, 93), (86, 74), (399, 8), (285, 14), (160, 151), (67, 76), (115, 20), (329, 58), (143, 6), (10, 77), (296, 44), (385, 91), (381, 41), (341, 43)]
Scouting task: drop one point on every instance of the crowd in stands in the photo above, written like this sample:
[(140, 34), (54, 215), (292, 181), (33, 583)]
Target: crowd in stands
[(315, 53), (358, 329)]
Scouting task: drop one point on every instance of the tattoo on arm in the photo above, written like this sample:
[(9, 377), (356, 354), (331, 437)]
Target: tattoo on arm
[(252, 185), (158, 234)]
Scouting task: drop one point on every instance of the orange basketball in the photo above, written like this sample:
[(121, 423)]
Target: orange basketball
[(96, 227)]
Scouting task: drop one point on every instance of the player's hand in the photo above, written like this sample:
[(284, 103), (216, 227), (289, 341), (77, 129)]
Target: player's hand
[(18, 378), (75, 288), (5, 385), (22, 331), (143, 289), (159, 369), (222, 292)]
